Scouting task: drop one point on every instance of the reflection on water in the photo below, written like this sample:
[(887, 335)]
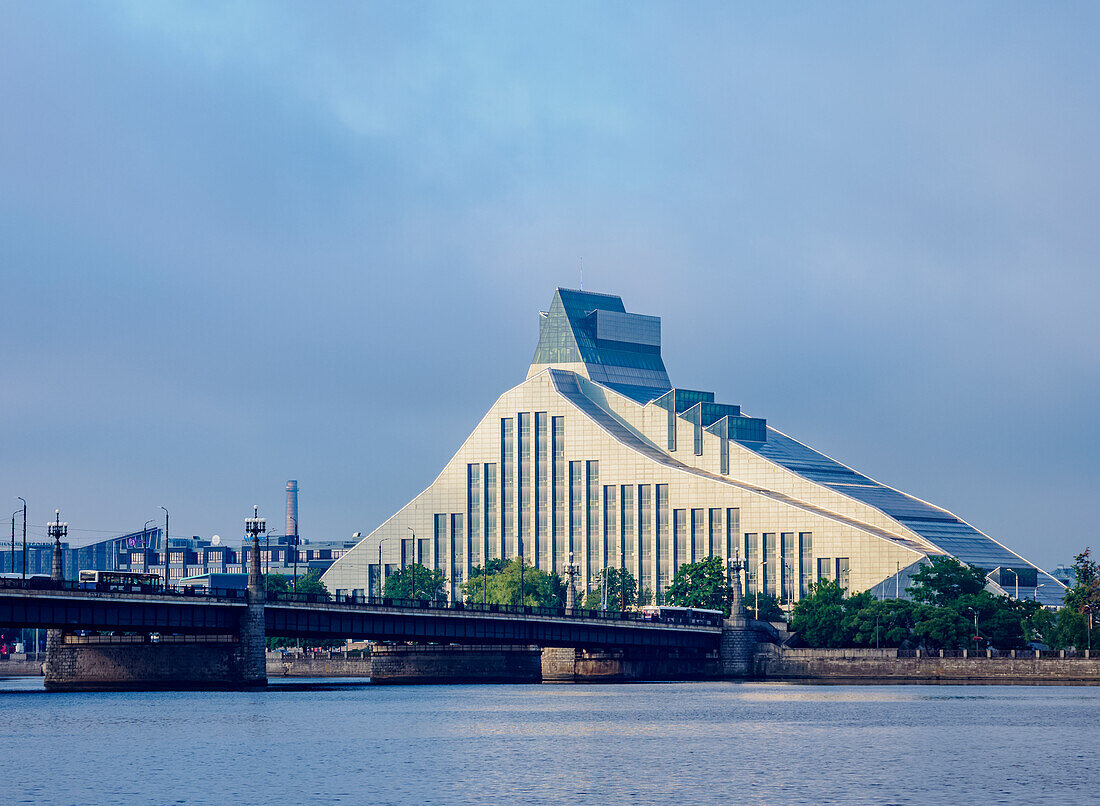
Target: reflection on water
[(339, 741)]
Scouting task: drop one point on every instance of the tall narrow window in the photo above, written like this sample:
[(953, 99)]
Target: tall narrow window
[(645, 537), (788, 573), (576, 508), (672, 426), (592, 518), (559, 484), (458, 556), (842, 567), (679, 539), (714, 533), (724, 457), (824, 568), (473, 509), (698, 532), (733, 529), (661, 542), (523, 486), (492, 535), (806, 562), (753, 568), (611, 526), (541, 494), (771, 563), (439, 536), (507, 484), (626, 510)]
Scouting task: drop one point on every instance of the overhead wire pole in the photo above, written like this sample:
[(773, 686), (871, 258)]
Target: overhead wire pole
[(24, 500)]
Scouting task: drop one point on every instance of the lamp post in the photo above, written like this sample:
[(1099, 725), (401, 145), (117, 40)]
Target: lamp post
[(57, 530), (788, 574), (1017, 576), (24, 500), (977, 635), (1040, 585), (761, 582), (13, 540), (381, 568), (255, 526), (167, 553)]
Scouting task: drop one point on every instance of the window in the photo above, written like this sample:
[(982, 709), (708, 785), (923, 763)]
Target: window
[(771, 563), (507, 483), (559, 483), (626, 508), (698, 524), (679, 539), (733, 528), (842, 567), (788, 550), (645, 533), (806, 550), (611, 526), (473, 508), (660, 539), (824, 568), (592, 514), (523, 484), (576, 507), (492, 536), (540, 547), (752, 564)]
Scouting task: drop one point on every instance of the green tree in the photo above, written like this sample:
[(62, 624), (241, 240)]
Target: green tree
[(503, 585), (1071, 630), (888, 623), (701, 584), (771, 609), (618, 584), (820, 618), (945, 580), (943, 628), (416, 582)]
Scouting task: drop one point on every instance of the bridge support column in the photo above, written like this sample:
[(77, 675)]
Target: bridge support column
[(51, 669), (738, 645), (253, 631)]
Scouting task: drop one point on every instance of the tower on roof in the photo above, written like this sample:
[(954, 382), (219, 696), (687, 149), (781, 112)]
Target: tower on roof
[(594, 335)]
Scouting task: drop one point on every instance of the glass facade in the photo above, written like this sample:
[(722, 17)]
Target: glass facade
[(753, 568), (576, 509), (593, 533), (645, 537), (733, 529), (698, 535), (661, 542), (679, 540), (771, 561), (473, 507), (788, 550)]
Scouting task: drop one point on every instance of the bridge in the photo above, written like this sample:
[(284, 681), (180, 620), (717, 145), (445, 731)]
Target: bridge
[(66, 606), (216, 639)]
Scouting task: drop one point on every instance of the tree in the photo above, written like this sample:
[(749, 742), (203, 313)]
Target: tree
[(943, 628), (819, 618), (945, 580), (615, 579), (771, 609), (416, 582), (701, 584), (503, 586), (869, 622)]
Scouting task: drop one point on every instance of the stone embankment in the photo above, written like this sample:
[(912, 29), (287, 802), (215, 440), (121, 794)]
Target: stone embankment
[(318, 664), (21, 665), (892, 665)]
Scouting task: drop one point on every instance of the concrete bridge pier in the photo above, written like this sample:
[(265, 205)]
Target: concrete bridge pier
[(136, 663)]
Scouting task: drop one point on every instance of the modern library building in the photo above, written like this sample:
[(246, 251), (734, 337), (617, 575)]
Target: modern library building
[(597, 455)]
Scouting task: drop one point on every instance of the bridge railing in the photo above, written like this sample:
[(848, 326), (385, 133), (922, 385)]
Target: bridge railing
[(44, 583), (476, 607)]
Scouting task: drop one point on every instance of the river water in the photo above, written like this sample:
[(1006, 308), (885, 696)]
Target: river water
[(668, 743)]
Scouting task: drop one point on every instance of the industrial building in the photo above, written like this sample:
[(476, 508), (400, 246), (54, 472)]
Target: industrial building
[(597, 455)]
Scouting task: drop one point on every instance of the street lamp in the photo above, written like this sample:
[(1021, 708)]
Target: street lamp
[(381, 568), (167, 553), (1040, 585), (977, 635), (57, 530), (788, 574), (1017, 576), (13, 540), (24, 500), (255, 526)]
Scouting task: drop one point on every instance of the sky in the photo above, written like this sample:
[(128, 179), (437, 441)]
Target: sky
[(242, 243)]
